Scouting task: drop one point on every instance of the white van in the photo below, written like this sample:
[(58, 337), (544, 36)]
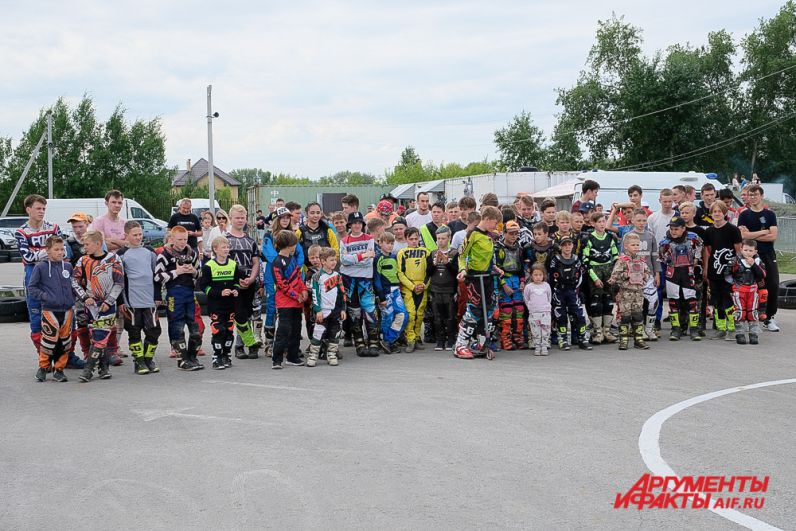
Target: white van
[(59, 210), (198, 205), (614, 185)]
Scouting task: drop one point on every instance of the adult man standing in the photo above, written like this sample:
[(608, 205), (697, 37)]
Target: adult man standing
[(184, 217), (110, 224), (588, 192), (422, 215), (760, 224), (350, 204)]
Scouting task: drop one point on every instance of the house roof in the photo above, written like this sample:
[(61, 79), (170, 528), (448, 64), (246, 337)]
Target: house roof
[(199, 170)]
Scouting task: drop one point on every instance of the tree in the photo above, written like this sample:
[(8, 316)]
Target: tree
[(520, 143), (353, 178), (249, 178), (770, 100), (613, 110), (91, 157)]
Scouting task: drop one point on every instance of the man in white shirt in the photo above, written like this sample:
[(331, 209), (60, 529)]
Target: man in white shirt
[(658, 222), (422, 215)]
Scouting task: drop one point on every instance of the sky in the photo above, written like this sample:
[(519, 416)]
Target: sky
[(312, 88)]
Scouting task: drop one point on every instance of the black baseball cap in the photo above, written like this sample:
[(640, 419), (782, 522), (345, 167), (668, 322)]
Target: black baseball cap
[(355, 217), (676, 221)]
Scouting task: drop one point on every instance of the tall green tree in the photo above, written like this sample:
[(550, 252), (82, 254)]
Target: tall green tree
[(770, 100), (91, 157), (613, 108), (520, 143)]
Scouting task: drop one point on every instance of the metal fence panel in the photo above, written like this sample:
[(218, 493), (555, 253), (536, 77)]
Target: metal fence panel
[(786, 239)]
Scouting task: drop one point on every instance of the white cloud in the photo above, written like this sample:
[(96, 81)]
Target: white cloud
[(315, 87)]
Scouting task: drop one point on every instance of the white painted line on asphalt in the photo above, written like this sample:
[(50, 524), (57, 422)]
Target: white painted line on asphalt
[(265, 386), (148, 415), (650, 447)]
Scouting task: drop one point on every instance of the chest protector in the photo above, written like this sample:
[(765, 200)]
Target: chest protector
[(567, 272), (600, 250), (511, 259), (636, 267)]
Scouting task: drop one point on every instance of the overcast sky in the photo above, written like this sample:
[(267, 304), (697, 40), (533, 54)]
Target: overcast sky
[(311, 88)]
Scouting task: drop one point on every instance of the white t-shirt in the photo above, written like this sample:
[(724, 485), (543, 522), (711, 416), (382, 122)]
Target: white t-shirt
[(417, 220), (658, 223), (458, 240)]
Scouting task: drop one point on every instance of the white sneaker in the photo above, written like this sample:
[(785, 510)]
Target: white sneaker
[(771, 325)]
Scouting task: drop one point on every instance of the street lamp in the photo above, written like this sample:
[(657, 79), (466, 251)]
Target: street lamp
[(211, 183)]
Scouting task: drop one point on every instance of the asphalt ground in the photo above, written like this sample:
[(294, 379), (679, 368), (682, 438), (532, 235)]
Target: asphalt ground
[(407, 441)]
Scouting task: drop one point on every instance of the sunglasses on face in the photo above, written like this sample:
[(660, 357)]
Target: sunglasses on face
[(221, 217)]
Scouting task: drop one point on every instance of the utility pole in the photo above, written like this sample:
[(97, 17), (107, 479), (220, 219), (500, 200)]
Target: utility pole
[(49, 155), (211, 183)]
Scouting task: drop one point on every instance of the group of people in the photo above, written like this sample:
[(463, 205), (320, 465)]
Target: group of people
[(470, 278)]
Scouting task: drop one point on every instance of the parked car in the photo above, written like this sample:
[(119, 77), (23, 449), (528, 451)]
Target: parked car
[(12, 222), (7, 239), (153, 231)]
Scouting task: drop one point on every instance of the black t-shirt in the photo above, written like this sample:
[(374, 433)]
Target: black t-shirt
[(190, 222), (722, 249), (755, 221), (456, 225), (699, 231)]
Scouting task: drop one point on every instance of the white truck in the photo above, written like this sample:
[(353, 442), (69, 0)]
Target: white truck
[(564, 186), (59, 210)]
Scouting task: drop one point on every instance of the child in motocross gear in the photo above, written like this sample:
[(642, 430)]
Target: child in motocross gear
[(281, 222), (141, 297), (328, 305), (653, 291), (564, 225), (679, 252), (291, 292), (51, 285), (443, 287), (76, 249), (98, 280), (243, 250), (599, 255), (746, 274), (566, 276), (178, 267), (630, 274), (220, 281), (357, 252), (388, 290), (311, 266), (509, 259), (538, 298), (475, 268), (414, 273), (722, 244)]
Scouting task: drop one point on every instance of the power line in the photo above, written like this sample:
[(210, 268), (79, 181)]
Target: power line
[(707, 148), (665, 109)]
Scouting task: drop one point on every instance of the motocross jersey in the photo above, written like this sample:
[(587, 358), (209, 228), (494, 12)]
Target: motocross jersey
[(565, 273)]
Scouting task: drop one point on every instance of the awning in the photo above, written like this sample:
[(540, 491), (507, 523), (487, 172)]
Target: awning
[(565, 189), (431, 186), (404, 191)]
